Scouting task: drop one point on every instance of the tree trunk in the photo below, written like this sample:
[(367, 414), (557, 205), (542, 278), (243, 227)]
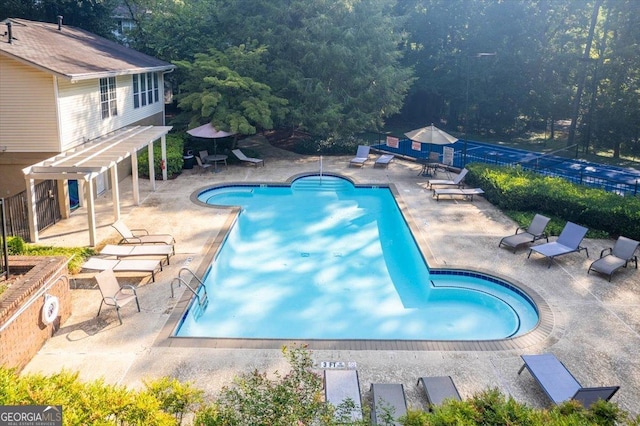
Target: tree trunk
[(583, 75)]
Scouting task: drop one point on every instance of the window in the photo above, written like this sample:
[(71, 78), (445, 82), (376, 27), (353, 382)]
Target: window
[(145, 89), (108, 102)]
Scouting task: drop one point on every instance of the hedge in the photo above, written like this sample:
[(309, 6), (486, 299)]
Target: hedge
[(175, 160), (512, 188)]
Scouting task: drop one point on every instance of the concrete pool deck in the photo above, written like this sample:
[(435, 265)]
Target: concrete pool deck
[(595, 328)]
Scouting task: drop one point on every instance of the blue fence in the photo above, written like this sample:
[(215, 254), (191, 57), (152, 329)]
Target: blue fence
[(620, 180)]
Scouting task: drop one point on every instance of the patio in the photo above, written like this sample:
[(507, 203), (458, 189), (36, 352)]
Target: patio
[(596, 324)]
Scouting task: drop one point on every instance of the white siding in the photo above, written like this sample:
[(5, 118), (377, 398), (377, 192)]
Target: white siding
[(80, 110), (27, 109)]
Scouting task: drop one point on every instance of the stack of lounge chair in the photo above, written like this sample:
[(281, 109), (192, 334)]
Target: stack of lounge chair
[(138, 252)]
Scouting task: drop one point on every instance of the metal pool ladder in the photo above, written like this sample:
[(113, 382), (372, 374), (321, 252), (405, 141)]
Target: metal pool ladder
[(202, 298)]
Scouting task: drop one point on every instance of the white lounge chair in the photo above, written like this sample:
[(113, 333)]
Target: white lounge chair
[(383, 160), (140, 236), (568, 242), (245, 159), (457, 181), (341, 389), (617, 257), (113, 294), (123, 265), (466, 193), (362, 155), (535, 231), (131, 250)]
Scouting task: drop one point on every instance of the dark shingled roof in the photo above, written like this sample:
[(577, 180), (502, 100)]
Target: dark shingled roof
[(71, 52)]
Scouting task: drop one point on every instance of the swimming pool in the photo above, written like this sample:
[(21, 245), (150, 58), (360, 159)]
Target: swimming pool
[(324, 259)]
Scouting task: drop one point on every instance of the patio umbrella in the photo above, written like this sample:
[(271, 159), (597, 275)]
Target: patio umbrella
[(207, 131), (431, 135)]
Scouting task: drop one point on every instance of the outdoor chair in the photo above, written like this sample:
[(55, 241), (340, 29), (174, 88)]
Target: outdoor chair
[(113, 294), (140, 236), (342, 390), (362, 155), (535, 231), (457, 181), (131, 250), (125, 265), (438, 389), (568, 242), (255, 161), (383, 161), (203, 166), (466, 193), (617, 257), (559, 384), (388, 399)]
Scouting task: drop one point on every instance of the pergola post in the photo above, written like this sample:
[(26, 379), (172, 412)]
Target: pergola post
[(91, 210), (134, 178), (152, 170), (163, 150), (115, 191), (31, 211)]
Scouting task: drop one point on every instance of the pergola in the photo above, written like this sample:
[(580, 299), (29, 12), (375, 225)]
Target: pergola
[(85, 162)]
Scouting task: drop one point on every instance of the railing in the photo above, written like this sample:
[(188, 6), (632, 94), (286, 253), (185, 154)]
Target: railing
[(202, 299), (47, 210), (546, 165), (4, 256)]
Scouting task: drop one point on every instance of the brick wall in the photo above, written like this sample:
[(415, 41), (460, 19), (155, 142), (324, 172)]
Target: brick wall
[(22, 338)]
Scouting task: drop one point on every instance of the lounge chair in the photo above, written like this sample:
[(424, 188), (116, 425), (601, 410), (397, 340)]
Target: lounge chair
[(342, 390), (203, 166), (245, 159), (113, 294), (362, 155), (568, 242), (438, 389), (130, 250), (388, 400), (467, 193), (140, 236), (619, 255), (559, 384), (535, 231), (457, 181), (124, 265), (383, 160)]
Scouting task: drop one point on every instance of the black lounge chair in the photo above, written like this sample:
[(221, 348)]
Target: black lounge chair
[(559, 384), (341, 386), (535, 231), (568, 242), (619, 255), (387, 399), (438, 389)]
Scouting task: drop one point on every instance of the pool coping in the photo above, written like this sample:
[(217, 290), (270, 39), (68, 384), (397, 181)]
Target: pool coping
[(539, 333)]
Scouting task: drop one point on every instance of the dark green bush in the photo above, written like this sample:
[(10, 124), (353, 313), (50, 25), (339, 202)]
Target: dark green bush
[(175, 161), (514, 189), (329, 146)]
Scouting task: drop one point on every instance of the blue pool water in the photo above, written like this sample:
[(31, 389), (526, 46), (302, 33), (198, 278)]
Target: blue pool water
[(322, 259)]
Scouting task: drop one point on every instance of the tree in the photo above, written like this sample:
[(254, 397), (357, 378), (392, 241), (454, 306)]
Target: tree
[(90, 15), (214, 91)]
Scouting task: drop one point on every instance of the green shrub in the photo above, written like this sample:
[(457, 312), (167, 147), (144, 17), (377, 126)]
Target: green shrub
[(329, 146), (175, 161), (77, 255), (294, 398), (513, 189)]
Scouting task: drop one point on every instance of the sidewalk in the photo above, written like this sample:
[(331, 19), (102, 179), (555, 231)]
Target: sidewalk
[(596, 324)]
